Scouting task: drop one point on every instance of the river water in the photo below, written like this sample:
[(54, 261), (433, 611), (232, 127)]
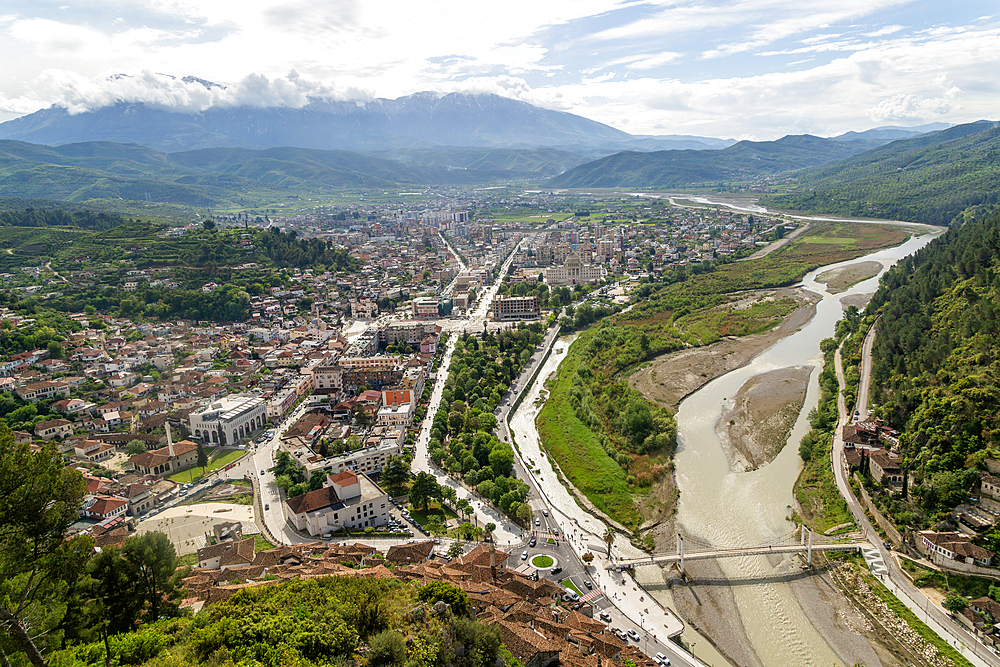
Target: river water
[(722, 508)]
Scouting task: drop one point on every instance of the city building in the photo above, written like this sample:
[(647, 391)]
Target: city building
[(228, 420), (508, 308), (573, 272), (347, 500)]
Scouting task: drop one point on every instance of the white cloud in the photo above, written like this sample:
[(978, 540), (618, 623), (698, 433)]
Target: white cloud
[(721, 66)]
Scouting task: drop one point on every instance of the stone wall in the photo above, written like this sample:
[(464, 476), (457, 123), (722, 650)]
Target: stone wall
[(887, 526)]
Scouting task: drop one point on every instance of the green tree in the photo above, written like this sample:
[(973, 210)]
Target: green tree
[(442, 590), (955, 603), (502, 460), (111, 586), (456, 549), (396, 472), (39, 498), (154, 560), (135, 447), (424, 488), (202, 458)]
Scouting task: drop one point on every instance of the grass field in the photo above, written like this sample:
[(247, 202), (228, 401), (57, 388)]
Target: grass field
[(579, 454), (224, 458), (568, 583)]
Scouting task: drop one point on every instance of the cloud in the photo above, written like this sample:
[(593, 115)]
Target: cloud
[(910, 107), (78, 94)]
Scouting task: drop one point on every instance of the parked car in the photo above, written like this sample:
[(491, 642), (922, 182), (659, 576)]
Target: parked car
[(267, 506), (605, 616), (633, 634), (664, 660)]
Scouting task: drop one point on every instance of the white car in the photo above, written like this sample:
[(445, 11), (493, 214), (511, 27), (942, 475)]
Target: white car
[(662, 659), (633, 634)]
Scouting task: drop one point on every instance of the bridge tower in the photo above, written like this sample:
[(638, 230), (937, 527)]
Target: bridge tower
[(680, 552)]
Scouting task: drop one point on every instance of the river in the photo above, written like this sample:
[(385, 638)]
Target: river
[(722, 508)]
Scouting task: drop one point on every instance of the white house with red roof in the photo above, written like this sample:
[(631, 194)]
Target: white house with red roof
[(347, 501)]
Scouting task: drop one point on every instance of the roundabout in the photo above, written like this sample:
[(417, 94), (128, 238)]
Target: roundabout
[(542, 562)]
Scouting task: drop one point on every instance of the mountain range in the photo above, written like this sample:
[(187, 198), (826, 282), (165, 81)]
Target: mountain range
[(419, 121)]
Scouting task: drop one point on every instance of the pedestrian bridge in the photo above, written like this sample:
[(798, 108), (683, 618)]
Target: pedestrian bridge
[(679, 558)]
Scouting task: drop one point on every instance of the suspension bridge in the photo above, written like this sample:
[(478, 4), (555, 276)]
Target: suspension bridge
[(805, 545)]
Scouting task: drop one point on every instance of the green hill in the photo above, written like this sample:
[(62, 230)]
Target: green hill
[(746, 160), (928, 179), (936, 372)]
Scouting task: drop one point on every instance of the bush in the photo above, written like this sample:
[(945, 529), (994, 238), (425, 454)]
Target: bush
[(387, 648), (136, 648)]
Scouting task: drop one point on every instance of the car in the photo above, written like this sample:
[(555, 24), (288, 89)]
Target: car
[(633, 634), (545, 512), (538, 521), (590, 586), (657, 661), (605, 616), (262, 472), (524, 555), (556, 570), (533, 542), (664, 660), (617, 632)]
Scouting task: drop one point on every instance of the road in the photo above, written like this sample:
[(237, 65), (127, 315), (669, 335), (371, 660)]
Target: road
[(893, 578), (861, 405)]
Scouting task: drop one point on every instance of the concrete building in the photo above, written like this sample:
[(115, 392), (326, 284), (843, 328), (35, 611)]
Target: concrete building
[(512, 308), (425, 307), (573, 272), (228, 420), (347, 500)]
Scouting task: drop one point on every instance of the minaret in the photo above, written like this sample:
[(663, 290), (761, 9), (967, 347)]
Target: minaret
[(170, 440)]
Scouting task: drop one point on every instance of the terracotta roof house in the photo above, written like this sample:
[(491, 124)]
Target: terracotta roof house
[(408, 554), (227, 554)]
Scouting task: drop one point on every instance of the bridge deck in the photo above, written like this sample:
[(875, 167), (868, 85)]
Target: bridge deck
[(741, 551)]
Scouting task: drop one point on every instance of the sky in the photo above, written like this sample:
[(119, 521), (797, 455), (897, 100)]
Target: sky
[(741, 69)]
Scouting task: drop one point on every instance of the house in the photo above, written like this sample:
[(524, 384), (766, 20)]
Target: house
[(410, 554), (885, 467), (940, 547), (38, 391), (227, 554), (346, 501), (94, 451), (140, 498), (50, 429), (104, 507)]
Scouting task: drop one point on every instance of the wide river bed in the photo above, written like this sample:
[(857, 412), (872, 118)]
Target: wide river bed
[(722, 508)]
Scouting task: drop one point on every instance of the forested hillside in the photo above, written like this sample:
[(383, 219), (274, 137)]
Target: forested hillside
[(39, 217), (745, 160), (936, 374), (928, 179)]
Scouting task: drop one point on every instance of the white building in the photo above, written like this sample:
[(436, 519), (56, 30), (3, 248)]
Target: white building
[(346, 500), (234, 417), (573, 272)]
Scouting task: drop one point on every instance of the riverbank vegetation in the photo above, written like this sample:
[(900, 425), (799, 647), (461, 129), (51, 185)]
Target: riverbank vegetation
[(607, 438), (822, 506)]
